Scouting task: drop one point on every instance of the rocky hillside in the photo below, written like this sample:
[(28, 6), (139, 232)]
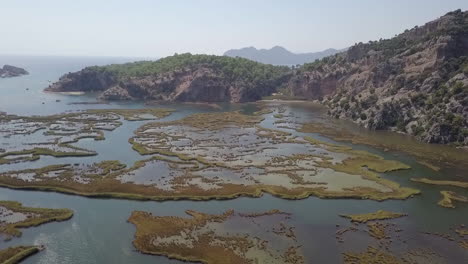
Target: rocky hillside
[(185, 77), (416, 82), (279, 55), (11, 71)]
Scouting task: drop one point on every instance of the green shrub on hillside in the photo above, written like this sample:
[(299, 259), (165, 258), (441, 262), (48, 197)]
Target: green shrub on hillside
[(236, 68)]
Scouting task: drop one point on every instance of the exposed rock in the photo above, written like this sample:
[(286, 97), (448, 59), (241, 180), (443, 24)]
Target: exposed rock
[(86, 80), (198, 84), (183, 78), (439, 133), (115, 93), (11, 71), (416, 82)]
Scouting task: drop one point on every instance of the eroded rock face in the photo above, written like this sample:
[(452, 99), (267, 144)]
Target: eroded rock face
[(415, 83), (192, 84), (440, 133), (314, 85), (116, 93), (11, 71), (202, 84), (86, 80)]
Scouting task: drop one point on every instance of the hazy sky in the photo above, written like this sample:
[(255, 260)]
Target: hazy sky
[(152, 28)]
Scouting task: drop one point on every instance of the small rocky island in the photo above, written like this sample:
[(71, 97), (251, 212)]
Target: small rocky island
[(11, 71)]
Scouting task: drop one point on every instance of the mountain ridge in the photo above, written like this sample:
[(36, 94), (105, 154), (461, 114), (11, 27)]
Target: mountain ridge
[(278, 55)]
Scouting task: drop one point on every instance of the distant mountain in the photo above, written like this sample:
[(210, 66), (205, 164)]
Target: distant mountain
[(279, 55)]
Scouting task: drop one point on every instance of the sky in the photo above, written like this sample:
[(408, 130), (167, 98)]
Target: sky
[(156, 28)]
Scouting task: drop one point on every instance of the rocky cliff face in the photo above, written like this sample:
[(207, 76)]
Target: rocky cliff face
[(192, 85), (11, 71), (86, 80), (199, 78), (415, 83)]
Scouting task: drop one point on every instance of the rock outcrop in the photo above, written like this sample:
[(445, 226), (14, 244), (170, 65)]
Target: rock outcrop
[(11, 71), (190, 85), (415, 83), (183, 78), (86, 80)]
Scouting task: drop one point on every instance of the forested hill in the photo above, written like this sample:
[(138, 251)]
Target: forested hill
[(183, 77), (416, 82)]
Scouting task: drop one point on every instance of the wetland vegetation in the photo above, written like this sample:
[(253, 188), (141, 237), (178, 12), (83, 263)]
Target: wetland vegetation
[(441, 182), (226, 238), (26, 138), (449, 198), (13, 255), (223, 155), (214, 155), (379, 215), (445, 157), (387, 236), (14, 216)]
